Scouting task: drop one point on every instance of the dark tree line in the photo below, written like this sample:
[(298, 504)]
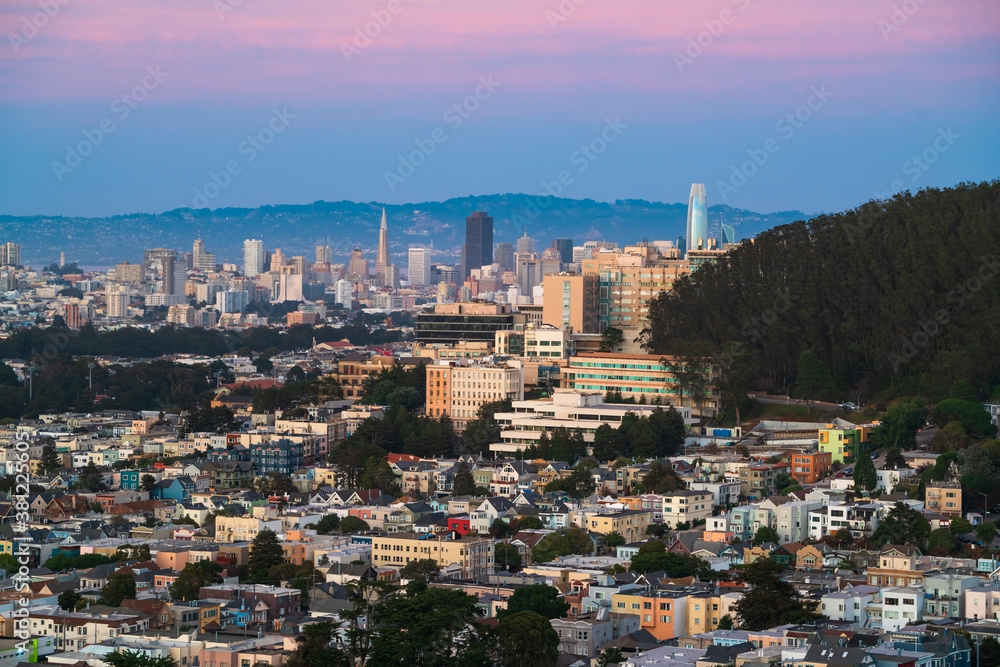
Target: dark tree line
[(135, 342), (896, 297)]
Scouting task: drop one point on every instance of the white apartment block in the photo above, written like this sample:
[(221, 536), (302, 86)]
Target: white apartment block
[(849, 604)]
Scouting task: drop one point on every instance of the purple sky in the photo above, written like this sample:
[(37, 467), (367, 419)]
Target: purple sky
[(896, 80)]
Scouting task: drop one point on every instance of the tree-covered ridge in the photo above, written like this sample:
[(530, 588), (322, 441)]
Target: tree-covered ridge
[(896, 297)]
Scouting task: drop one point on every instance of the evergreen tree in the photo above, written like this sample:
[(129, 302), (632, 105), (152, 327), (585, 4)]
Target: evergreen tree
[(768, 600), (265, 553), (120, 586), (526, 639), (813, 379), (865, 477), (50, 461)]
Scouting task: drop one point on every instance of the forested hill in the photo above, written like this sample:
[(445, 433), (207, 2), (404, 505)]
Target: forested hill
[(896, 297)]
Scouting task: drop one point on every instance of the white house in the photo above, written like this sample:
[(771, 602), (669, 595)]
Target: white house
[(889, 479), (899, 607), (849, 604)]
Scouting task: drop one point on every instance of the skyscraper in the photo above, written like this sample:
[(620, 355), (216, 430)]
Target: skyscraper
[(505, 257), (323, 254), (382, 260), (697, 223), (565, 248), (117, 298), (478, 249), (10, 254), (420, 266), (525, 243), (728, 234), (357, 268), (253, 258)]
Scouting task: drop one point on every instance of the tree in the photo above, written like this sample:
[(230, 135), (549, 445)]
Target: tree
[(894, 460), (971, 414), (265, 553), (352, 524), (148, 483), (424, 627), (526, 639), (611, 339), (765, 534), (898, 426), (843, 537), (738, 368), (507, 556), (129, 658), (813, 380), (425, 568), (653, 557), (989, 652), (538, 598), (769, 601), (573, 541), (865, 477), (610, 657), (951, 437), (69, 599), (985, 532), (499, 529), (328, 524), (941, 542), (742, 450), (314, 648), (193, 577), (726, 622), (465, 483), (50, 461), (369, 598), (613, 540), (660, 478), (960, 526), (902, 525), (120, 586), (529, 523)]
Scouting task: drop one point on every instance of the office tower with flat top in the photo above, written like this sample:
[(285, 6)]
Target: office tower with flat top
[(478, 248)]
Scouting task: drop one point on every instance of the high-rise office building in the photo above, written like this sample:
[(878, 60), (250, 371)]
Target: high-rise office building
[(478, 249), (201, 260), (253, 258), (382, 259), (697, 222), (525, 243), (420, 266), (565, 248), (357, 268), (323, 254), (504, 257), (728, 234)]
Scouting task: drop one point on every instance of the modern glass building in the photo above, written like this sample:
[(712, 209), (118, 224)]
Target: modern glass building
[(697, 223)]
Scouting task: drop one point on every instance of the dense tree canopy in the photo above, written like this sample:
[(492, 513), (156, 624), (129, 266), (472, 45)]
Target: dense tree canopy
[(539, 598), (844, 287), (769, 601)]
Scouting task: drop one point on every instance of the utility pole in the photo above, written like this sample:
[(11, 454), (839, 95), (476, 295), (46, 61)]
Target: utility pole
[(31, 371), (90, 367)]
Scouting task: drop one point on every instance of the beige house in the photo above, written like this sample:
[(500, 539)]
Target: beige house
[(686, 507), (630, 524), (944, 498)]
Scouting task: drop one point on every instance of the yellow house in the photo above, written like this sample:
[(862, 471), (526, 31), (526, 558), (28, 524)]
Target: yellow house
[(831, 440), (630, 524)]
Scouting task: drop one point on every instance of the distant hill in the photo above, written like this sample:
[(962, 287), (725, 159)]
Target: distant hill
[(345, 225)]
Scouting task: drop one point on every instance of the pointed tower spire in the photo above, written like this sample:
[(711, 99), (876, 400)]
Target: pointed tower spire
[(383, 264)]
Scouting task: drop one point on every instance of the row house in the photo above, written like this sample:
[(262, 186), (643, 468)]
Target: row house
[(74, 631), (896, 566), (850, 604), (724, 493), (686, 507), (276, 602), (861, 519), (630, 524)]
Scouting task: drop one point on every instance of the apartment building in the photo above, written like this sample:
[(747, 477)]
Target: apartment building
[(354, 368), (664, 614), (809, 468), (627, 282), (242, 529), (641, 376), (944, 498), (473, 555), (630, 524), (759, 481), (585, 635), (686, 507), (459, 391), (849, 604)]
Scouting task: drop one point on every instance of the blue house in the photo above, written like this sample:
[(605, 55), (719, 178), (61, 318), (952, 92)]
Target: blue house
[(175, 488)]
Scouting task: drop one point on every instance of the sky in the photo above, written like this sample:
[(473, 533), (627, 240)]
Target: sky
[(121, 106)]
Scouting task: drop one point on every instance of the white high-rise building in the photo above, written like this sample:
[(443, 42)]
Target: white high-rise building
[(253, 257), (232, 301), (420, 266), (10, 254), (345, 293), (117, 298)]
